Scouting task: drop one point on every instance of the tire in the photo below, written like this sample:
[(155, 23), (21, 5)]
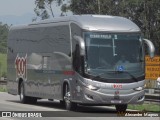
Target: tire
[(32, 100), (62, 102), (23, 98), (121, 108), (68, 104)]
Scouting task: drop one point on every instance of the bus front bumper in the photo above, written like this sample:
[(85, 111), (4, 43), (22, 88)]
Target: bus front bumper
[(96, 97)]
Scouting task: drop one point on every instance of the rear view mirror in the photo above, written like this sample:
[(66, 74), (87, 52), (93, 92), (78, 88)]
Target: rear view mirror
[(81, 45), (151, 48)]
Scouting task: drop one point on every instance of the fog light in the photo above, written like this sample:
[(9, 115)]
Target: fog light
[(141, 97), (89, 96)]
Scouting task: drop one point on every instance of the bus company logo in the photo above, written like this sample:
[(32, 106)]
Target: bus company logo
[(117, 86), (21, 66)]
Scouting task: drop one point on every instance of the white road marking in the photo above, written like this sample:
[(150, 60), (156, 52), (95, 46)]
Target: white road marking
[(6, 118)]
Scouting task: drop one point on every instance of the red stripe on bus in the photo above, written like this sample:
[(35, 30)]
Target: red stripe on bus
[(68, 72)]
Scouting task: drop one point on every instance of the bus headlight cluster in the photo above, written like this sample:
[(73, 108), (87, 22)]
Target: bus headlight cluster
[(92, 87), (139, 88)]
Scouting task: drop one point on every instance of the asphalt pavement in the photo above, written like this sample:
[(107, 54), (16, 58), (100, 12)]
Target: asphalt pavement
[(10, 103), (52, 108)]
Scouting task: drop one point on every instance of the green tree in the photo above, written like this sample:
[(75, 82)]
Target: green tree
[(4, 28), (44, 8), (84, 6)]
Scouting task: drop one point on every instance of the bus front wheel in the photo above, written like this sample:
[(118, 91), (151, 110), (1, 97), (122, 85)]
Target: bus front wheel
[(68, 103), (121, 108)]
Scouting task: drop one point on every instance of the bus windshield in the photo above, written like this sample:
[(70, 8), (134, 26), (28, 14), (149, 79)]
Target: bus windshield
[(107, 53)]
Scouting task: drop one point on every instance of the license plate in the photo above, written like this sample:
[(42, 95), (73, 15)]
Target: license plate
[(116, 101)]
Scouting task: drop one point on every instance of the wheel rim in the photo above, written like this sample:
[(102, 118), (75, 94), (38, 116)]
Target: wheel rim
[(21, 93)]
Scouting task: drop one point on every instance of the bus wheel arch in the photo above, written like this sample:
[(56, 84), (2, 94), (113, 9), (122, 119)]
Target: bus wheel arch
[(23, 98)]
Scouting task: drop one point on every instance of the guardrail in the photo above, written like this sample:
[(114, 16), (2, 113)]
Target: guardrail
[(152, 98), (3, 82), (152, 95)]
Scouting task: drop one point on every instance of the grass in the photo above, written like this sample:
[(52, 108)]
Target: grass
[(3, 89), (3, 64), (146, 107)]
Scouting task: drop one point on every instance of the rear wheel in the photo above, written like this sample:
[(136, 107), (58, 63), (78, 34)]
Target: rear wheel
[(121, 108), (23, 98), (68, 104)]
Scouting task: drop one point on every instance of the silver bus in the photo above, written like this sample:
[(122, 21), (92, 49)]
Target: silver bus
[(79, 60)]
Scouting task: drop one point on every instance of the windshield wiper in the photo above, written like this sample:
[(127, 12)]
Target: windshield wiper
[(105, 66), (132, 76), (118, 72), (99, 75)]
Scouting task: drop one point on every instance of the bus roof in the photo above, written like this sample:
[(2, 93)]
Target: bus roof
[(93, 23)]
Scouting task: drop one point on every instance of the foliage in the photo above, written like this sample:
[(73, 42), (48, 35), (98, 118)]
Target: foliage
[(4, 28), (44, 8), (3, 88), (145, 107), (3, 65), (3, 37)]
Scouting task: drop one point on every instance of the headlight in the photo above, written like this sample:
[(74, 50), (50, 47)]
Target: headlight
[(92, 87), (139, 88)]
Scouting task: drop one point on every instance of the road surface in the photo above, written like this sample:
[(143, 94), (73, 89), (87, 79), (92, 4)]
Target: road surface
[(11, 103)]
